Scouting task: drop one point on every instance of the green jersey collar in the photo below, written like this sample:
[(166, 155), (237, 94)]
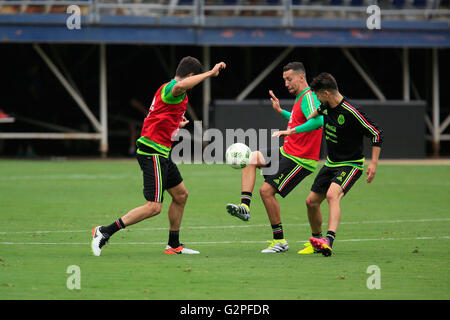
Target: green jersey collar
[(301, 93)]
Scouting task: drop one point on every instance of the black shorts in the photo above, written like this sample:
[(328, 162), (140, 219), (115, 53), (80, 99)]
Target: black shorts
[(289, 175), (159, 174), (345, 176)]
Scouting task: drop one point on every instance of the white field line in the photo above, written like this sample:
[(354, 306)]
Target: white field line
[(215, 242), (236, 226), (112, 176), (74, 176)]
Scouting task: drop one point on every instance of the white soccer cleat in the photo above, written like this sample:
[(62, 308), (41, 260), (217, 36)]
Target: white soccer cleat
[(98, 241), (276, 246), (180, 250)]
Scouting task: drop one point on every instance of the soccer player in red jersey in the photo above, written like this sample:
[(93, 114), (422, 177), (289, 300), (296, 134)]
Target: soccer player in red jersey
[(165, 117), (297, 158)]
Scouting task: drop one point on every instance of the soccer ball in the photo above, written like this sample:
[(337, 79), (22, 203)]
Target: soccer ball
[(238, 155)]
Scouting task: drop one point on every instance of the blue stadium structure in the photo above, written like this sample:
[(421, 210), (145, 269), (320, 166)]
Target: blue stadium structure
[(282, 24), (413, 23)]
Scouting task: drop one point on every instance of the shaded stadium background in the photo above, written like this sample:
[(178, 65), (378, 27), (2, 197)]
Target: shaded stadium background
[(28, 89)]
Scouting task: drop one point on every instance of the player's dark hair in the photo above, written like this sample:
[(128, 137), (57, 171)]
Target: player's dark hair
[(188, 65), (296, 66), (324, 81)]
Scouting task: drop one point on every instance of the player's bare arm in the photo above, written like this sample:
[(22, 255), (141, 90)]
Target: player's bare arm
[(371, 169), (190, 82), (283, 133), (314, 114)]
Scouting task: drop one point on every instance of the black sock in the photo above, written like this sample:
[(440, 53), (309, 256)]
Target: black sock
[(174, 239), (277, 230), (113, 227), (330, 237), (317, 235), (246, 198)]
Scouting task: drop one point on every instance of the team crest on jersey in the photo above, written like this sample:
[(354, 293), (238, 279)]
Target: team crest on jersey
[(341, 119)]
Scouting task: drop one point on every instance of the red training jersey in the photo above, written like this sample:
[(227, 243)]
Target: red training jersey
[(306, 144), (164, 116)]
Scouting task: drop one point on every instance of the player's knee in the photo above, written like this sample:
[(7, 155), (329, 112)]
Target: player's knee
[(181, 197), (311, 202), (152, 209), (256, 159), (332, 196), (266, 191)]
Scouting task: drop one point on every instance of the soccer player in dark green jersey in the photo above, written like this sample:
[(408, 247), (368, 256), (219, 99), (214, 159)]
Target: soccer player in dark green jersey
[(345, 125)]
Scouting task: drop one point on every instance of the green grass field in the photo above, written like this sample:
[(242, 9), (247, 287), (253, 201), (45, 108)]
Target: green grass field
[(400, 223)]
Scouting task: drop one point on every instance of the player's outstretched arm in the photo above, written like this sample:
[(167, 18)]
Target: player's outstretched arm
[(310, 125), (283, 133), (190, 82)]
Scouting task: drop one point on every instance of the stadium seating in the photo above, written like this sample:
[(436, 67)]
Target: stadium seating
[(420, 3), (273, 2), (398, 3), (230, 2), (327, 9), (357, 3), (336, 2)]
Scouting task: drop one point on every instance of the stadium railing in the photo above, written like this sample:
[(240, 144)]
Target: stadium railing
[(42, 6), (202, 10)]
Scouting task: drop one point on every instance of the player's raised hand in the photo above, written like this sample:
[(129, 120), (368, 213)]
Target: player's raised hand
[(217, 68), (275, 102), (184, 122)]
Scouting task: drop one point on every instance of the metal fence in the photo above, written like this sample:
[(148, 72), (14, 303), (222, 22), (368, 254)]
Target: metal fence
[(200, 10)]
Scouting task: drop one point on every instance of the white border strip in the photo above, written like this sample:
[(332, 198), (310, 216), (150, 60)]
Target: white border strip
[(214, 242)]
